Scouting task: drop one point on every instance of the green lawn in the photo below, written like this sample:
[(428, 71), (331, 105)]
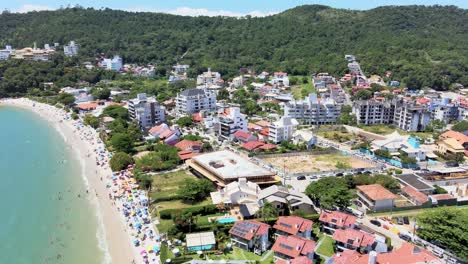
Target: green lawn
[(167, 184), (238, 254), (301, 90), (327, 248), (179, 204), (386, 129), (165, 225)]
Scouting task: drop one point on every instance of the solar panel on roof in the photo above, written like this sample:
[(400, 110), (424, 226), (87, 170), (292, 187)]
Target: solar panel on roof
[(350, 241), (285, 246), (285, 225)]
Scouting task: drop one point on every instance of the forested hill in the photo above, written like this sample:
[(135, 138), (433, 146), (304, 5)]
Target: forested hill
[(423, 46)]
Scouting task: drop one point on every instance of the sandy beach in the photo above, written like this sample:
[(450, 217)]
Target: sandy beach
[(116, 230)]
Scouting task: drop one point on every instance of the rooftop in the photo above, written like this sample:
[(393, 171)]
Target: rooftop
[(376, 192), (293, 224), (200, 239), (337, 218), (353, 237), (415, 181), (293, 246), (228, 165), (415, 194), (248, 229)]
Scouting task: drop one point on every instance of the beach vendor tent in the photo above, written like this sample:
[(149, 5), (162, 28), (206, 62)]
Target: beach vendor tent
[(200, 241)]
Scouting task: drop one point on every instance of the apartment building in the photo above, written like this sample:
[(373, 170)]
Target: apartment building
[(114, 64), (411, 117), (5, 53), (230, 120), (71, 49), (372, 112), (313, 111), (146, 111), (208, 78), (192, 101), (282, 130)]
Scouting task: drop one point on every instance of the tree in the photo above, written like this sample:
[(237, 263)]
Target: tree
[(362, 95), (383, 153), (439, 190), (447, 226), (268, 211), (116, 111), (91, 121), (163, 157), (329, 192), (195, 190), (66, 99), (223, 94), (122, 142), (101, 93), (120, 161), (461, 126), (185, 121)]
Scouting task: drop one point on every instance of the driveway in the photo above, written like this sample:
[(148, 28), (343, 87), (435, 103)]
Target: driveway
[(396, 240)]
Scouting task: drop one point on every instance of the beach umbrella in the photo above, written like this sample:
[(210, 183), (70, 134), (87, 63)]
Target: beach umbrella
[(155, 248), (199, 252), (143, 252), (149, 248)]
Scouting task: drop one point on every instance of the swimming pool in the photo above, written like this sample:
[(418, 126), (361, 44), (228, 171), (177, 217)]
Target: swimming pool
[(228, 220)]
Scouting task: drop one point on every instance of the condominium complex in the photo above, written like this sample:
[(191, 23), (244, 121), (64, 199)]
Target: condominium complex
[(230, 120), (114, 64), (282, 130), (194, 100), (373, 112), (146, 111), (71, 49), (411, 117), (313, 111)]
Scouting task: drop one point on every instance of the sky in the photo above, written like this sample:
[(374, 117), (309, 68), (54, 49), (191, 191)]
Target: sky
[(213, 7)]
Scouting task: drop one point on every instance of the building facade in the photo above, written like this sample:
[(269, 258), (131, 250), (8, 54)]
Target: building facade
[(312, 111), (71, 49), (411, 117), (282, 130), (230, 120), (372, 112), (114, 64), (146, 111), (195, 100)]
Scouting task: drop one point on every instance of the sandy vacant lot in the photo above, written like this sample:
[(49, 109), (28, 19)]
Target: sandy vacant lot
[(312, 163)]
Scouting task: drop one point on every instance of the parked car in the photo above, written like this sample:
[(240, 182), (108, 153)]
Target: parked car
[(405, 237), (376, 223), (406, 220), (400, 220), (301, 178), (358, 203)]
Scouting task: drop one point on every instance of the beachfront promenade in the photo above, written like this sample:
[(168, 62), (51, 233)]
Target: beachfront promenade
[(125, 232)]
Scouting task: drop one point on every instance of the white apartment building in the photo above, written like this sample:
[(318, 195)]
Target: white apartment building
[(114, 64), (194, 100), (208, 78), (5, 53), (372, 112), (230, 120), (312, 111), (146, 111), (280, 79), (180, 69), (412, 118), (282, 130), (71, 49)]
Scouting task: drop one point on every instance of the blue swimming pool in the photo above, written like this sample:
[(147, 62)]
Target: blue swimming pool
[(228, 220)]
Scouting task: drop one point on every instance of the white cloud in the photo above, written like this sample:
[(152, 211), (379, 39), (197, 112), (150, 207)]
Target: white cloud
[(30, 7), (188, 11)]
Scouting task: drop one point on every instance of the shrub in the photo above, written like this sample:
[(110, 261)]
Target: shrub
[(74, 116), (120, 161)]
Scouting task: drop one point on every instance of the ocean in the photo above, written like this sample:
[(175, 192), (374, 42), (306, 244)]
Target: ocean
[(45, 215)]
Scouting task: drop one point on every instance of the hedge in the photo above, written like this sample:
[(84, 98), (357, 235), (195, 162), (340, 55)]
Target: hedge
[(196, 210)]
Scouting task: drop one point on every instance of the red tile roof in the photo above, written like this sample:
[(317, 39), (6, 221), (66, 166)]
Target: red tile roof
[(253, 127), (252, 145), (248, 228), (415, 194), (158, 129), (444, 196), (197, 117), (376, 192), (88, 106), (293, 224), (268, 146), (298, 260), (189, 145), (337, 218), (263, 123), (460, 137), (406, 254), (265, 131), (293, 246), (242, 135), (167, 133), (186, 154), (354, 237), (423, 100)]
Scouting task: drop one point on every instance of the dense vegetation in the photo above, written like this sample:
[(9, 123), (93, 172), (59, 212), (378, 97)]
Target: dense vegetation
[(423, 46), (448, 227)]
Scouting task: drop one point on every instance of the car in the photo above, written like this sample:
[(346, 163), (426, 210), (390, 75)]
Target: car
[(375, 222), (406, 220), (301, 178), (405, 237), (399, 220), (313, 177), (339, 174)]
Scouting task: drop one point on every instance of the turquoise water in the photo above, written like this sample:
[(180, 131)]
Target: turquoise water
[(42, 219), (226, 220)]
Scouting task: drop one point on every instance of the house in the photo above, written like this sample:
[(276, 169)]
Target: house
[(283, 198), (375, 197), (171, 135), (444, 199), (189, 148), (280, 79), (394, 143), (243, 137), (406, 254), (252, 145), (200, 241), (332, 220), (86, 107), (250, 235), (287, 248), (293, 226), (304, 136), (353, 239), (460, 137), (450, 146), (313, 111), (192, 101), (146, 111), (155, 131), (71, 50), (208, 79), (282, 130), (236, 193), (415, 196)]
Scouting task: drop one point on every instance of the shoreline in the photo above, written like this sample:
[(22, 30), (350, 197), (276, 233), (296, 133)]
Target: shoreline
[(112, 235)]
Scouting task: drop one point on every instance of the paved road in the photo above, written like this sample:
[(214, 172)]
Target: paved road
[(396, 240)]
